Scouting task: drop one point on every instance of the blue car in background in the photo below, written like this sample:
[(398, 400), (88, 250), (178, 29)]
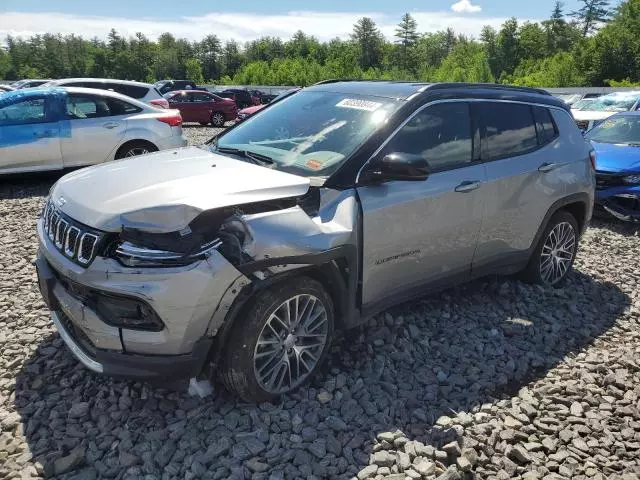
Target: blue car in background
[(617, 144)]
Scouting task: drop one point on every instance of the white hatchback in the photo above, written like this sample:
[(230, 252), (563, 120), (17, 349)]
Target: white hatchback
[(56, 128), (145, 92)]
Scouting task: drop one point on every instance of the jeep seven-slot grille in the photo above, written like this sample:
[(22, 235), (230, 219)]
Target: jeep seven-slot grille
[(74, 240)]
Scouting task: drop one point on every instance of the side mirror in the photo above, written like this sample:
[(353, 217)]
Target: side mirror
[(401, 166)]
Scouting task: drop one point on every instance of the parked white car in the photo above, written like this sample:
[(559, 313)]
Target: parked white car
[(56, 128), (145, 92), (606, 106)]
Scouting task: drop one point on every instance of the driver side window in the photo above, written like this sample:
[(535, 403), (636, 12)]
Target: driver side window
[(440, 133)]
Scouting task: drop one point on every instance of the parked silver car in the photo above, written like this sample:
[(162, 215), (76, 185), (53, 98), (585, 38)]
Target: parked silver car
[(56, 128), (326, 208)]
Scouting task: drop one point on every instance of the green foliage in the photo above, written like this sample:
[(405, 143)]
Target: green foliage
[(466, 63), (622, 83), (193, 68), (601, 47)]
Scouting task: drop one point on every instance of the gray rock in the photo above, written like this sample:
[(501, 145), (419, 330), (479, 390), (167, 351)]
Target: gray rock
[(403, 461), (424, 468), (79, 409), (450, 473), (70, 462), (367, 472), (256, 466), (519, 454)]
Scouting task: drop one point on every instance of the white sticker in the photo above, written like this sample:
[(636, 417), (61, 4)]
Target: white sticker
[(357, 104)]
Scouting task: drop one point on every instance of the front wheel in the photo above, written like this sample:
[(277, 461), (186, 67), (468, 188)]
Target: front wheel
[(553, 257), (217, 119), (277, 345)]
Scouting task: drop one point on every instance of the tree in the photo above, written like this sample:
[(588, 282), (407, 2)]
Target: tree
[(231, 58), (194, 70), (508, 43), (5, 63), (591, 14), (489, 39), (467, 63), (407, 37), (208, 53), (369, 41), (533, 41), (561, 35), (557, 71)]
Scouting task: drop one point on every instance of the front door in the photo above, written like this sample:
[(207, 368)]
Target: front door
[(425, 232), (29, 135), (94, 129)]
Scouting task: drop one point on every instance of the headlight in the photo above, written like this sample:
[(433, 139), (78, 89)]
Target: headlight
[(632, 179), (131, 255)]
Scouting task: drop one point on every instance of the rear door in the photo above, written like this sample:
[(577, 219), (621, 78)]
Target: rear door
[(523, 178), (203, 105), (30, 134), (182, 101), (97, 124), (425, 232)]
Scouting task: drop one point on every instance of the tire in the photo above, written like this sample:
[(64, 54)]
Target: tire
[(135, 148), (278, 365), (548, 264), (217, 119)]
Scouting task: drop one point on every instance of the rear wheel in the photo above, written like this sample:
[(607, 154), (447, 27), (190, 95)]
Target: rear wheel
[(553, 257), (217, 119), (280, 341), (135, 148)]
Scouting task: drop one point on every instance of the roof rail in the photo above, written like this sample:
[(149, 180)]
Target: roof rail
[(333, 80), (496, 86)]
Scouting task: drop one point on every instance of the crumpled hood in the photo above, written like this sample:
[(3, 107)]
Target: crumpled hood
[(165, 191), (617, 158)]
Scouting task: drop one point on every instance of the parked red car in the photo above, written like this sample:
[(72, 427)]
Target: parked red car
[(202, 107)]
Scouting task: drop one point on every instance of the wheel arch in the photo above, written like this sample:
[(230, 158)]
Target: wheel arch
[(128, 143), (576, 204), (334, 269)]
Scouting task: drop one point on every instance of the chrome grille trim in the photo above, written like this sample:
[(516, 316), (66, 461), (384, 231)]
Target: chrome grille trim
[(61, 230), (75, 241), (70, 245), (91, 238)]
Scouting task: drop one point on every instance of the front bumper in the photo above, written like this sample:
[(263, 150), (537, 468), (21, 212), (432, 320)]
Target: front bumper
[(190, 301), (66, 311), (622, 203)]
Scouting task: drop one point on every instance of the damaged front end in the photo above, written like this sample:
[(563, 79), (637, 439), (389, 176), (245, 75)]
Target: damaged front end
[(618, 195)]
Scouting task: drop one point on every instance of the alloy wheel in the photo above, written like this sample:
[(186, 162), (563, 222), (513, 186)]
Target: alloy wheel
[(133, 152), (217, 119), (291, 343), (557, 253)]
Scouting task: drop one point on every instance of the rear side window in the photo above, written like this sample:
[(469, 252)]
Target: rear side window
[(94, 106), (440, 133), (509, 130), (120, 107), (133, 91), (544, 125)]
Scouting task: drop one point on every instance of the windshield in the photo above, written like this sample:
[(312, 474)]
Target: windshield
[(614, 103), (584, 104), (568, 97), (310, 133), (624, 129)]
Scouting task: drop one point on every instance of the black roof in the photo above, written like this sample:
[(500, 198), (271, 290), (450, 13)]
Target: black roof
[(405, 90)]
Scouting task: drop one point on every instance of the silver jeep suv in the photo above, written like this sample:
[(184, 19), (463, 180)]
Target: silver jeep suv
[(243, 256)]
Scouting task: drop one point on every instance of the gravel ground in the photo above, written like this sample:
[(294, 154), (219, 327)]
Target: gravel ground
[(496, 379)]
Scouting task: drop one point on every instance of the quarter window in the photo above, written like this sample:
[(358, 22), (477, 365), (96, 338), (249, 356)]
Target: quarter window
[(440, 133), (31, 110), (510, 130), (544, 125)]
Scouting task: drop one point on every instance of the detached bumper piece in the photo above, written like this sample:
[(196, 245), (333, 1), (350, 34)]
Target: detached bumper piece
[(625, 207), (120, 364)]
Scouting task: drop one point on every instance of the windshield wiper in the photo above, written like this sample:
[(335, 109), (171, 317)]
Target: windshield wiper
[(257, 158)]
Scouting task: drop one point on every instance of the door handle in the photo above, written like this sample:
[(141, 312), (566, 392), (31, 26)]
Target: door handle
[(547, 167), (110, 125), (467, 186)]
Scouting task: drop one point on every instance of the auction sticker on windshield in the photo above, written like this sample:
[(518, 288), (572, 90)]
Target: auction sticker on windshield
[(366, 105)]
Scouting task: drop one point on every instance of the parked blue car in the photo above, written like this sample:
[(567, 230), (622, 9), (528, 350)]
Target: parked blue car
[(617, 144)]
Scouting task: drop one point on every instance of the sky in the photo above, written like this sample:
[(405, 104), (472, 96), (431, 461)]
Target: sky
[(249, 19)]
